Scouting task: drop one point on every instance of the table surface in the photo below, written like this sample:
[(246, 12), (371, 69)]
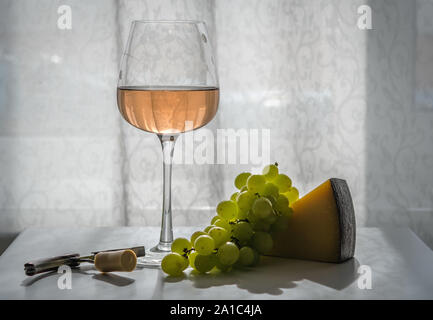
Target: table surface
[(401, 267)]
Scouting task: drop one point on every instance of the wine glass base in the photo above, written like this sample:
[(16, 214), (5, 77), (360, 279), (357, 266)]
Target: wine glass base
[(154, 256), (162, 247)]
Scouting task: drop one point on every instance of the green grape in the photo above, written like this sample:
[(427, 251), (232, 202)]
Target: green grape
[(197, 234), (283, 183), (181, 245), (222, 267), (215, 218), (292, 195), (246, 256), (234, 196), (262, 242), (261, 225), (271, 219), (290, 212), (204, 263), (282, 204), (241, 179), (242, 215), (219, 235), (185, 263), (206, 230), (223, 224), (256, 258), (250, 217), (243, 231), (228, 253), (245, 200), (244, 188), (270, 172), (256, 183), (270, 189), (273, 200), (173, 264), (191, 258), (262, 208), (204, 245), (227, 210), (281, 224)]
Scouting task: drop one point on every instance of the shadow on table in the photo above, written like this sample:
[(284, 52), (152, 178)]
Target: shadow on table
[(114, 279), (88, 270), (275, 274), (27, 282)]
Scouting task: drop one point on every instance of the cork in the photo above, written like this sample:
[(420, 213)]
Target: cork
[(122, 260)]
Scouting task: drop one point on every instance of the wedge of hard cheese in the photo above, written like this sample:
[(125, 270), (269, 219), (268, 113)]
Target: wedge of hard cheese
[(322, 226)]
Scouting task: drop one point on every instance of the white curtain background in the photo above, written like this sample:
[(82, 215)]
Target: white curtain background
[(339, 102)]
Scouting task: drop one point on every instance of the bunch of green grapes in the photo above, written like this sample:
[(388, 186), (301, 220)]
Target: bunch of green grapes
[(242, 229)]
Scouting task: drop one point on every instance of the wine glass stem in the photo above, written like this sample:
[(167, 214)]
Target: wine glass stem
[(167, 143)]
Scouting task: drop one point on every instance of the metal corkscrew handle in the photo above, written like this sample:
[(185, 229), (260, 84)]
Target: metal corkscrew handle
[(105, 261), (51, 264)]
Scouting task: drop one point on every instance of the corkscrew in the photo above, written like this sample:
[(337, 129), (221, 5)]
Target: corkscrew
[(105, 261)]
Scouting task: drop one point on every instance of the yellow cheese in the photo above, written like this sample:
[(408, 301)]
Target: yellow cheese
[(322, 226)]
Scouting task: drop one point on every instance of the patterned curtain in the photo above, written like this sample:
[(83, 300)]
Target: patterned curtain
[(339, 101)]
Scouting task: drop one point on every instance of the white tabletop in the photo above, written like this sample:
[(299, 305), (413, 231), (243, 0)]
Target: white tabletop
[(401, 268)]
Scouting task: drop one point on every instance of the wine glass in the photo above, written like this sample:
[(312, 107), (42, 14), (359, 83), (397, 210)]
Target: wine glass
[(167, 85)]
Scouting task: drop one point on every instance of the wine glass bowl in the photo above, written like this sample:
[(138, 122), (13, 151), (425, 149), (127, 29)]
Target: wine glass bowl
[(167, 85), (168, 110)]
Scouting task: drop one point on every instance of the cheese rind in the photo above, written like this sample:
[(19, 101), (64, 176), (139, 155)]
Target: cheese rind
[(322, 226), (346, 215)]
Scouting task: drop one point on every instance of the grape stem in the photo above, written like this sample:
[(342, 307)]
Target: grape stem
[(236, 241), (187, 252)]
